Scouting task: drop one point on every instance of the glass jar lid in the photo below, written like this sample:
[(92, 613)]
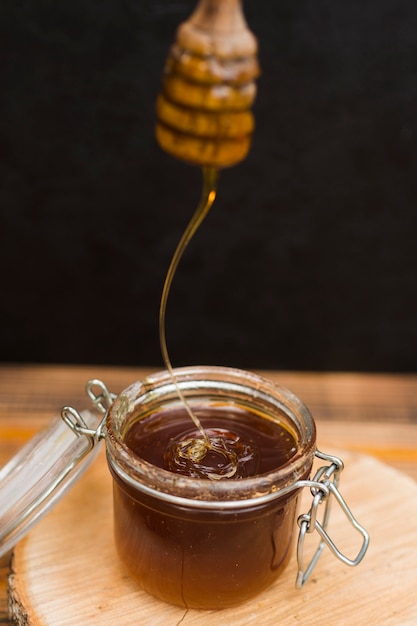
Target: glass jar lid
[(35, 479)]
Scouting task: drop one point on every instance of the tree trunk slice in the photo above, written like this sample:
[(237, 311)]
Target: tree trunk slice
[(66, 571)]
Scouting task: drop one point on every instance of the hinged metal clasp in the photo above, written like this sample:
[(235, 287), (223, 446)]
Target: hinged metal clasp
[(329, 477), (99, 395), (102, 399)]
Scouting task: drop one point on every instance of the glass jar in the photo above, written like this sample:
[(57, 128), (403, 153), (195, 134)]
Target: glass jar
[(193, 542), (197, 542)]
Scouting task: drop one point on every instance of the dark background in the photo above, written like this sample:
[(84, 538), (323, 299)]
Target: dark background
[(308, 259)]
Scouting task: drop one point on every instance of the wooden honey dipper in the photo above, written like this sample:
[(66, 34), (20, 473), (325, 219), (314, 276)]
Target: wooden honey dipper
[(208, 87)]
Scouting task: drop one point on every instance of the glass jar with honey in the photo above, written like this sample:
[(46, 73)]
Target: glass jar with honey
[(188, 532), (200, 523)]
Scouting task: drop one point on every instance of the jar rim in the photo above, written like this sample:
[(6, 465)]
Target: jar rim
[(159, 390)]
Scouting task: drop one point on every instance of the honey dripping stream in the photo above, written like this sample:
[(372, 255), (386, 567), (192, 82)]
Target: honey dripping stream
[(194, 448)]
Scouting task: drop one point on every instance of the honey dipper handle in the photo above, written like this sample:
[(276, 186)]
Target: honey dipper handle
[(218, 27)]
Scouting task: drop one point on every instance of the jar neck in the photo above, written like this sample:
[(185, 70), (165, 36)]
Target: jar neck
[(210, 385)]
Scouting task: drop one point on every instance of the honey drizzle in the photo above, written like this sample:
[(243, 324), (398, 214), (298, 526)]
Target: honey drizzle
[(208, 196)]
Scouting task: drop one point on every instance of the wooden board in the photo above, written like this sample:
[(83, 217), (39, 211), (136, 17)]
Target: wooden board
[(66, 572)]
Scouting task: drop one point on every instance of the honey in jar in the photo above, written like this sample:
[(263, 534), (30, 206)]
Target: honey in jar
[(214, 532)]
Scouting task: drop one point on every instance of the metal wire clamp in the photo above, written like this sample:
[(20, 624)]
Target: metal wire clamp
[(329, 477), (102, 399)]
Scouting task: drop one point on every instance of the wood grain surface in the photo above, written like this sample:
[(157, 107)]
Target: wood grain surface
[(67, 571)]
